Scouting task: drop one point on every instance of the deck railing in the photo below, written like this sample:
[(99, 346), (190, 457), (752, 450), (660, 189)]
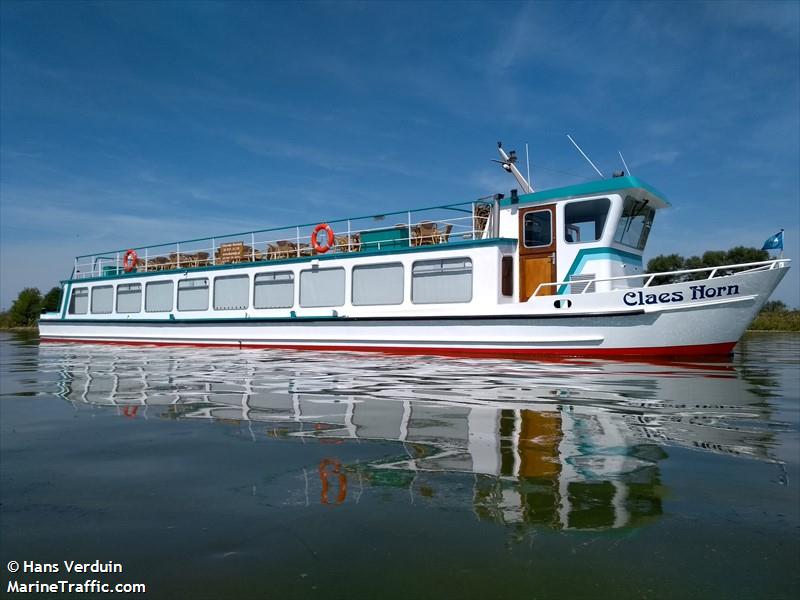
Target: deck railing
[(647, 279), (394, 230)]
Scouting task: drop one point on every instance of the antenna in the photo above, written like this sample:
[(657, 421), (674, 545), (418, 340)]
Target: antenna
[(624, 164), (584, 156), (528, 161)]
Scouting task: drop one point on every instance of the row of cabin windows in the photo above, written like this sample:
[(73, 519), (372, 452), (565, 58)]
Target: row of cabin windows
[(432, 282)]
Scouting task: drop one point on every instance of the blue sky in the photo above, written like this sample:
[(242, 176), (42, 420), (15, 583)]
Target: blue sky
[(129, 123)]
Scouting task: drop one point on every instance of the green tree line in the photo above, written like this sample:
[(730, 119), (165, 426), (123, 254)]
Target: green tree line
[(712, 258), (28, 306)]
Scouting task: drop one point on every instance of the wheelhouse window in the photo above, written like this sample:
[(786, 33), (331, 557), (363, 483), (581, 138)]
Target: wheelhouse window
[(231, 292), (158, 296), (538, 229), (274, 290), (193, 294), (635, 223), (321, 287), (441, 281), (378, 284), (585, 221), (102, 299), (129, 298), (79, 301)]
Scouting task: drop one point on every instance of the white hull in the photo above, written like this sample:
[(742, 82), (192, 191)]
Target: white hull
[(676, 319)]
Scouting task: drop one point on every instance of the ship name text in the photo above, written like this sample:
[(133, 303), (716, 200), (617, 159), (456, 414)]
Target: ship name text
[(695, 292)]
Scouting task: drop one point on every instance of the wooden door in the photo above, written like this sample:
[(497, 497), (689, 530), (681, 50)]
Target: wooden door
[(537, 250)]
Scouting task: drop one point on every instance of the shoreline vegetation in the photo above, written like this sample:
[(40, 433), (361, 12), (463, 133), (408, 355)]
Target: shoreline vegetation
[(774, 315)]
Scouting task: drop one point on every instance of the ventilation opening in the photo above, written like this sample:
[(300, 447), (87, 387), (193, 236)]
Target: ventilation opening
[(580, 284)]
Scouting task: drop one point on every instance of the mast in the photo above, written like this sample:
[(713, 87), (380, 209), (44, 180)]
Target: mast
[(508, 163)]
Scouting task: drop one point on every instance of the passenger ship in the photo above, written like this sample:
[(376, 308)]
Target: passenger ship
[(554, 272)]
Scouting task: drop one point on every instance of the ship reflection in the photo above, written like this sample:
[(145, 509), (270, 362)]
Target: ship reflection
[(560, 445)]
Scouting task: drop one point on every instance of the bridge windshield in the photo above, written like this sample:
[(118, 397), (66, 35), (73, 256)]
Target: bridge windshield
[(635, 223)]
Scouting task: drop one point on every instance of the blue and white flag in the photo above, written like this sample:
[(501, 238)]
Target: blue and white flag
[(775, 242)]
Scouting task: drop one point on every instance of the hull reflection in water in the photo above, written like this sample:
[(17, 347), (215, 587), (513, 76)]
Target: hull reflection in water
[(567, 445)]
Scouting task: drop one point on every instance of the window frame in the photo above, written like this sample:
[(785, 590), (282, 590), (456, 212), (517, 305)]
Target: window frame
[(551, 218), (172, 295), (319, 270), (275, 274), (72, 297), (91, 300), (116, 297), (377, 266), (208, 294), (213, 300), (605, 221), (467, 259)]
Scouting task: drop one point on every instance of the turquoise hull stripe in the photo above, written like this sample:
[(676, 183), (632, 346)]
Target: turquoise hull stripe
[(305, 259), (584, 256), (585, 189), (65, 301)]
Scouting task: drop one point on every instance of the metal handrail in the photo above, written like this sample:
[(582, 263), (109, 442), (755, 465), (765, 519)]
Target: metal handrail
[(764, 265), (447, 228), (459, 207)]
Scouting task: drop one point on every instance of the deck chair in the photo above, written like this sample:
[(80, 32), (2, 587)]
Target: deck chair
[(428, 233), (444, 236)]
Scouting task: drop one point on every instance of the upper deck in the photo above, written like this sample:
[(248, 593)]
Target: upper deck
[(392, 231)]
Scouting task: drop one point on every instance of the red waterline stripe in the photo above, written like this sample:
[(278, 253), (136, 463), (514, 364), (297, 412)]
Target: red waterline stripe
[(723, 348)]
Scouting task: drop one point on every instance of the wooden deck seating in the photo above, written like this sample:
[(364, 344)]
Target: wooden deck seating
[(444, 236), (281, 249), (159, 263), (428, 234), (351, 243), (480, 218)]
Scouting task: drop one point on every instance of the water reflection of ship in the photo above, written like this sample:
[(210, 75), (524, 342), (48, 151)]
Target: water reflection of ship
[(572, 447)]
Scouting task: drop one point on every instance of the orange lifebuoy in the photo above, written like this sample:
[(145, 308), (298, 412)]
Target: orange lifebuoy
[(329, 244), (129, 261), (323, 476)]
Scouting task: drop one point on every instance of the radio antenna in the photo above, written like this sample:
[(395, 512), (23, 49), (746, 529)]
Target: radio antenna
[(624, 164), (584, 156)]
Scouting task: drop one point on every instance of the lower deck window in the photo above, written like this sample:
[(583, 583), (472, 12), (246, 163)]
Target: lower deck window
[(129, 298), (158, 296), (102, 299), (441, 281), (378, 284), (79, 301), (274, 290), (193, 294), (321, 287), (232, 292)]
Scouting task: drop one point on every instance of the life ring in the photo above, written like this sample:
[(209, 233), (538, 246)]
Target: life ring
[(323, 476), (129, 261), (329, 244)]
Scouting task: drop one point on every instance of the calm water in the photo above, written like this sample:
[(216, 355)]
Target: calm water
[(216, 473)]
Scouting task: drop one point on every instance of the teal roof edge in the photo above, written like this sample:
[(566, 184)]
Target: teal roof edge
[(584, 189)]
